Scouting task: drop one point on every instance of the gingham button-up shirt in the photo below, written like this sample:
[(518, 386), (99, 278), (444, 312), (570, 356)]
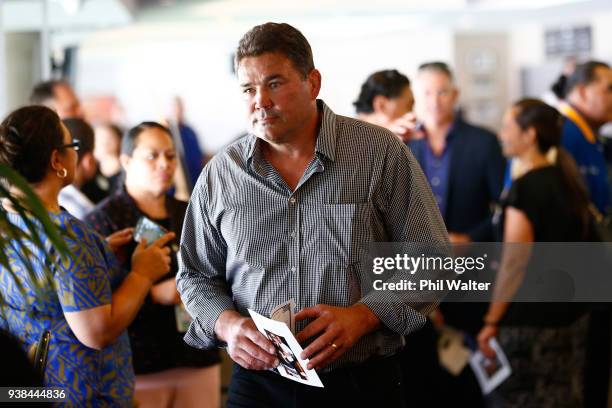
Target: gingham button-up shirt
[(250, 242)]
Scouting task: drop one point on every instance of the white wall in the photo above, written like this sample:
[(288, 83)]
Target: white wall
[(602, 33), (527, 48), (147, 63)]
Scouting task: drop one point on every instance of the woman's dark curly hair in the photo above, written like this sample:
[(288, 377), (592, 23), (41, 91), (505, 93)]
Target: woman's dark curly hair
[(389, 83)]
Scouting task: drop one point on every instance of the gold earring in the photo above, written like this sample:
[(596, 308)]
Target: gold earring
[(62, 173)]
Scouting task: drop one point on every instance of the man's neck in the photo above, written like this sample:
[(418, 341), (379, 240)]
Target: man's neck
[(436, 135), (301, 145), (110, 166), (438, 130), (291, 159), (579, 107)]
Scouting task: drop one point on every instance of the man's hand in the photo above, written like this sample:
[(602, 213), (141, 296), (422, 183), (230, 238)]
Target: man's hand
[(458, 238), (245, 344), (486, 333), (337, 330)]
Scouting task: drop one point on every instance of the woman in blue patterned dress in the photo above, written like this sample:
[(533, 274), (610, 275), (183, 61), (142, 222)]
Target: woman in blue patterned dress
[(90, 303)]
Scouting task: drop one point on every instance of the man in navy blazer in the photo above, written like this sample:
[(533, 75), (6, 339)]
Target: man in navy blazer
[(463, 162), (465, 169)]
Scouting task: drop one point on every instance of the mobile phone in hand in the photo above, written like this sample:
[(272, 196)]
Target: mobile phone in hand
[(150, 230)]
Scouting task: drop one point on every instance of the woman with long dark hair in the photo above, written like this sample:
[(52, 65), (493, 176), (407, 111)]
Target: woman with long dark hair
[(547, 203)]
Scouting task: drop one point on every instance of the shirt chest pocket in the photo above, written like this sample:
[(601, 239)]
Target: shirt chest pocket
[(342, 231)]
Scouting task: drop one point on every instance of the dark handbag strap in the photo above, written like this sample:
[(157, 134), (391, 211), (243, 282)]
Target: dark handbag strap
[(40, 354)]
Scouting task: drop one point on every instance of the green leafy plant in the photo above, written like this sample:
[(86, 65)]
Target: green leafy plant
[(35, 216)]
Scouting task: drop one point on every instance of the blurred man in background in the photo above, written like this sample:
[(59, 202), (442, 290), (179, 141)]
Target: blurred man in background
[(465, 169), (191, 155), (588, 108), (59, 96), (71, 197)]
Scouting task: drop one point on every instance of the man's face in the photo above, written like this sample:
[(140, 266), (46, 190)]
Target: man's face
[(435, 97), (279, 100), (67, 105), (598, 97)]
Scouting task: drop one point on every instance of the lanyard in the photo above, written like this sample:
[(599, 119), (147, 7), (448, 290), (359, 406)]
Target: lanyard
[(575, 117)]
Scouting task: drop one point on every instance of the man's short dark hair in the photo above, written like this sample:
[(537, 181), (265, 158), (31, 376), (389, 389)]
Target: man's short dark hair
[(83, 132), (583, 74), (44, 91), (437, 66), (130, 139), (277, 37)]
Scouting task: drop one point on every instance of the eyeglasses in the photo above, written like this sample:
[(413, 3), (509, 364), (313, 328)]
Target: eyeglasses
[(76, 145)]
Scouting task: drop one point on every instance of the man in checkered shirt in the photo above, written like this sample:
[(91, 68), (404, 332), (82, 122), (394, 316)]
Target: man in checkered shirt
[(288, 212)]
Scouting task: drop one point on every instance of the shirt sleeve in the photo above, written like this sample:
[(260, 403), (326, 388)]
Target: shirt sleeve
[(524, 198), (201, 278), (410, 215), (82, 279)]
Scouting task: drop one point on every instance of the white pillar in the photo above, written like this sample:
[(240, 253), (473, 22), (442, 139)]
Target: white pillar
[(45, 45)]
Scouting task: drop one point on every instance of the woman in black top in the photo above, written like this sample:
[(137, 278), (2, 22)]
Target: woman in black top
[(547, 203), (168, 371)]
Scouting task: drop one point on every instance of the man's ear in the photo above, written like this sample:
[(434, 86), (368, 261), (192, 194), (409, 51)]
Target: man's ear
[(455, 95), (314, 80)]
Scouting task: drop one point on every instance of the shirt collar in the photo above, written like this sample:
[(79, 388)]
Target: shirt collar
[(572, 114), (328, 132), (453, 130)]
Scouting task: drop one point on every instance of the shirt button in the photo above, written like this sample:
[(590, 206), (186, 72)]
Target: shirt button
[(435, 181), (292, 200), (293, 269)]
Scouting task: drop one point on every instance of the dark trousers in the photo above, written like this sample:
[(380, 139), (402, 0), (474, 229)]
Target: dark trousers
[(427, 384), (373, 384)]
